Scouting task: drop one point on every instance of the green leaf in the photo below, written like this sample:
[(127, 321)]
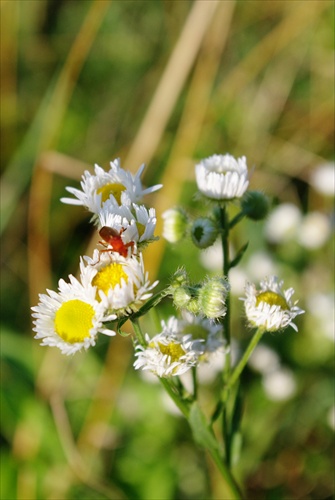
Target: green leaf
[(239, 255), (203, 435), (236, 447)]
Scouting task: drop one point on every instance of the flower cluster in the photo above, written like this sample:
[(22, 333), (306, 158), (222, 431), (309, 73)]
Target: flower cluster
[(113, 286), (113, 282)]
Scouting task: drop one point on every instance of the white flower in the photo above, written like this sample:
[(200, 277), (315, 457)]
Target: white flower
[(314, 230), (122, 284), (323, 179), (117, 184), (167, 354), (222, 177), (136, 222), (270, 308), (71, 318), (279, 384), (283, 223), (322, 308)]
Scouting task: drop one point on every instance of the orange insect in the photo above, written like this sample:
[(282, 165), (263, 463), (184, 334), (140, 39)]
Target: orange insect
[(113, 238)]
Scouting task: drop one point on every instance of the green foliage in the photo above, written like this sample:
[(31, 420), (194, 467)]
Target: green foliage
[(88, 427)]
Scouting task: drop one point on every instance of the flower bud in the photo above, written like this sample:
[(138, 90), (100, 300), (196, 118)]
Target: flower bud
[(186, 297), (175, 224), (180, 278), (212, 297), (182, 296), (204, 232), (255, 205)]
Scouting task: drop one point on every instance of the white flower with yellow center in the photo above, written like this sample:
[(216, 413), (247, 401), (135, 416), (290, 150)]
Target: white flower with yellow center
[(117, 184), (71, 318), (121, 283), (270, 307), (167, 353), (222, 177), (136, 222)]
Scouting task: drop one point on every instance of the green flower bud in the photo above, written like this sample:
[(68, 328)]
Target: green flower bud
[(204, 232), (175, 224), (193, 306), (186, 297), (180, 278), (212, 297), (255, 205), (182, 296)]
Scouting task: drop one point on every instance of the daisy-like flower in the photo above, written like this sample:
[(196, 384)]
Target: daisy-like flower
[(116, 184), (71, 318), (270, 307), (208, 332), (136, 222), (121, 284), (167, 353), (222, 177)]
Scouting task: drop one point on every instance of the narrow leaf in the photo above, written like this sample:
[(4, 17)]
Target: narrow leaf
[(239, 255), (201, 431)]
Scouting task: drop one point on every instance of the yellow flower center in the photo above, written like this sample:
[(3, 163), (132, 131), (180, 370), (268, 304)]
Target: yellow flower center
[(111, 188), (109, 276), (175, 351), (273, 299), (74, 320)]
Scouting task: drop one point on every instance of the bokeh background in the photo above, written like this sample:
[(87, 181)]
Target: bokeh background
[(165, 83)]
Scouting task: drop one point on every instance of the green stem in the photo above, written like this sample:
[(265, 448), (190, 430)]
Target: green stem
[(236, 219), (243, 361), (232, 488), (195, 385), (138, 332), (224, 222), (183, 407)]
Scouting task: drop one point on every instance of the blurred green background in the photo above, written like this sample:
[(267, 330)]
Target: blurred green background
[(165, 83)]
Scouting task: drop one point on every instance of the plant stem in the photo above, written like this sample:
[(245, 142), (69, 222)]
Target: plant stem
[(195, 384), (243, 361), (224, 223), (138, 331), (232, 488), (183, 407), (236, 219)]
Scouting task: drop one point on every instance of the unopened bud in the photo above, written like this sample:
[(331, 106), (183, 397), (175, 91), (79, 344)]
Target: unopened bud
[(255, 205), (212, 297), (204, 232), (179, 278), (175, 224), (182, 296), (186, 297)]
